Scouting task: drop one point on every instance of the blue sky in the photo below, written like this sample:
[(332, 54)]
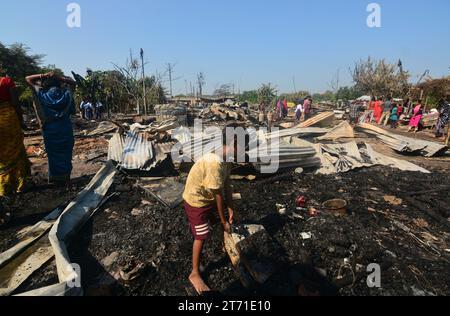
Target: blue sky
[(245, 42)]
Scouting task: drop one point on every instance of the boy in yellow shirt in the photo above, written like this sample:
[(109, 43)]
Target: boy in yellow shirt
[(207, 191)]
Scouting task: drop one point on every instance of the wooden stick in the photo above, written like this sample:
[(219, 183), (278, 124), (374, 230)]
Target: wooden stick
[(448, 135)]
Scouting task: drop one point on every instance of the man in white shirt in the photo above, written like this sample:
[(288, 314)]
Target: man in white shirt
[(299, 112), (89, 110), (83, 110), (98, 110)]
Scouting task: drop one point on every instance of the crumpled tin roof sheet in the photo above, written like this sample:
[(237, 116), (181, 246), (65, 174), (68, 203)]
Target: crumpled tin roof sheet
[(135, 152), (115, 148), (287, 156), (405, 144)]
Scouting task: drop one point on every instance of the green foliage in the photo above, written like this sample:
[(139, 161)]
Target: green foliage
[(224, 90), (433, 91), (295, 97), (380, 78), (119, 92), (249, 96), (17, 62), (267, 94), (327, 96), (348, 93), (89, 88), (26, 96), (156, 93)]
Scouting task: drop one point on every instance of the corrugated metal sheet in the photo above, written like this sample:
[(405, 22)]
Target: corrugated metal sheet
[(115, 148), (134, 152), (137, 151), (343, 130), (164, 148), (200, 146), (286, 156), (297, 131), (182, 134), (404, 144), (341, 158), (103, 128)]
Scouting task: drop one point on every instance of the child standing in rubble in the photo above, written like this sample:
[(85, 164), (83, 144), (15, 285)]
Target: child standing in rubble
[(208, 191)]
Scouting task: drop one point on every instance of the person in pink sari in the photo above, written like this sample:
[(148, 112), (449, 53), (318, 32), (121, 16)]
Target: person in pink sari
[(414, 123), (279, 109), (285, 108)]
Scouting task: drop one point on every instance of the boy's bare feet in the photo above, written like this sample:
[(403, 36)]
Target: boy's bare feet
[(198, 283)]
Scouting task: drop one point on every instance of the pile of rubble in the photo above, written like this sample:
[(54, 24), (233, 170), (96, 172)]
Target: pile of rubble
[(141, 245), (217, 113)]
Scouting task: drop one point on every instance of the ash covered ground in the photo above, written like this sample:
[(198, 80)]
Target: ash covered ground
[(136, 246)]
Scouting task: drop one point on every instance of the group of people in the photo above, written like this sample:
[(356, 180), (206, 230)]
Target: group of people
[(91, 110), (54, 105), (381, 111), (386, 111), (282, 108), (304, 107)]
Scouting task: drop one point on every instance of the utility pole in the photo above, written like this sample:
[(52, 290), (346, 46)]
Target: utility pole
[(200, 82), (170, 70), (144, 94), (338, 79), (295, 88), (400, 65)]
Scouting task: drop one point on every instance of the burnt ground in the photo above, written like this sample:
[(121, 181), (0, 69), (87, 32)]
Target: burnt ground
[(136, 246)]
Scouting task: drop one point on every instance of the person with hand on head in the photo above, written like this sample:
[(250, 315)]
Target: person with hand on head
[(54, 104)]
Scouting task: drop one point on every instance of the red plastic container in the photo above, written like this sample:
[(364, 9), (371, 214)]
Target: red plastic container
[(301, 201)]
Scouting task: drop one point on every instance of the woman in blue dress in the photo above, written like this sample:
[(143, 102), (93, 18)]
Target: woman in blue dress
[(54, 105)]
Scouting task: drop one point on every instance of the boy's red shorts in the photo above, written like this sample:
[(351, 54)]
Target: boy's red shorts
[(200, 220)]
